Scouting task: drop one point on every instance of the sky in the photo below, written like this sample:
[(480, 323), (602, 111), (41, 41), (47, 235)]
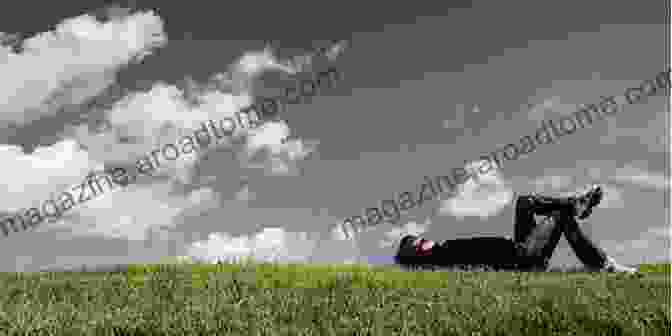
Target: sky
[(424, 89)]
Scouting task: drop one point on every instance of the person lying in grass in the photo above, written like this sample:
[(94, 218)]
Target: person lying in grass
[(533, 243)]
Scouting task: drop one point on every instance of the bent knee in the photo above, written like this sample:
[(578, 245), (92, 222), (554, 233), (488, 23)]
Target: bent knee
[(524, 199)]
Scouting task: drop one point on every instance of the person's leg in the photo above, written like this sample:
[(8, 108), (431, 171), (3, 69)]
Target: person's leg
[(537, 237), (528, 205), (585, 249), (536, 229), (591, 255)]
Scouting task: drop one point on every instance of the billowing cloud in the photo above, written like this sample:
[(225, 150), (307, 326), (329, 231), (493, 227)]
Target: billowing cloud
[(641, 177), (484, 194), (146, 121), (269, 245), (269, 144), (31, 178), (74, 62), (145, 206), (56, 68), (78, 61)]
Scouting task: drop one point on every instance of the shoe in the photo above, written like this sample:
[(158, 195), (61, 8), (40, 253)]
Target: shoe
[(585, 203), (613, 267)]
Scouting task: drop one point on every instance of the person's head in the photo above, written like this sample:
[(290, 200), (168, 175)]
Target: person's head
[(408, 240), (406, 248), (411, 248)]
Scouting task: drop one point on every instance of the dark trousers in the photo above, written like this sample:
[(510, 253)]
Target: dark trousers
[(535, 239)]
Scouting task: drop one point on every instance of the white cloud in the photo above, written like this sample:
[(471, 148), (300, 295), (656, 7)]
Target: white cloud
[(76, 62), (132, 212), (31, 178), (152, 119), (641, 177), (482, 195), (162, 116), (72, 63), (65, 66), (253, 63), (268, 149), (269, 245)]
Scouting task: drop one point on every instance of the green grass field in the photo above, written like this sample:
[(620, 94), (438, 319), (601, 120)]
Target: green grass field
[(267, 299)]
